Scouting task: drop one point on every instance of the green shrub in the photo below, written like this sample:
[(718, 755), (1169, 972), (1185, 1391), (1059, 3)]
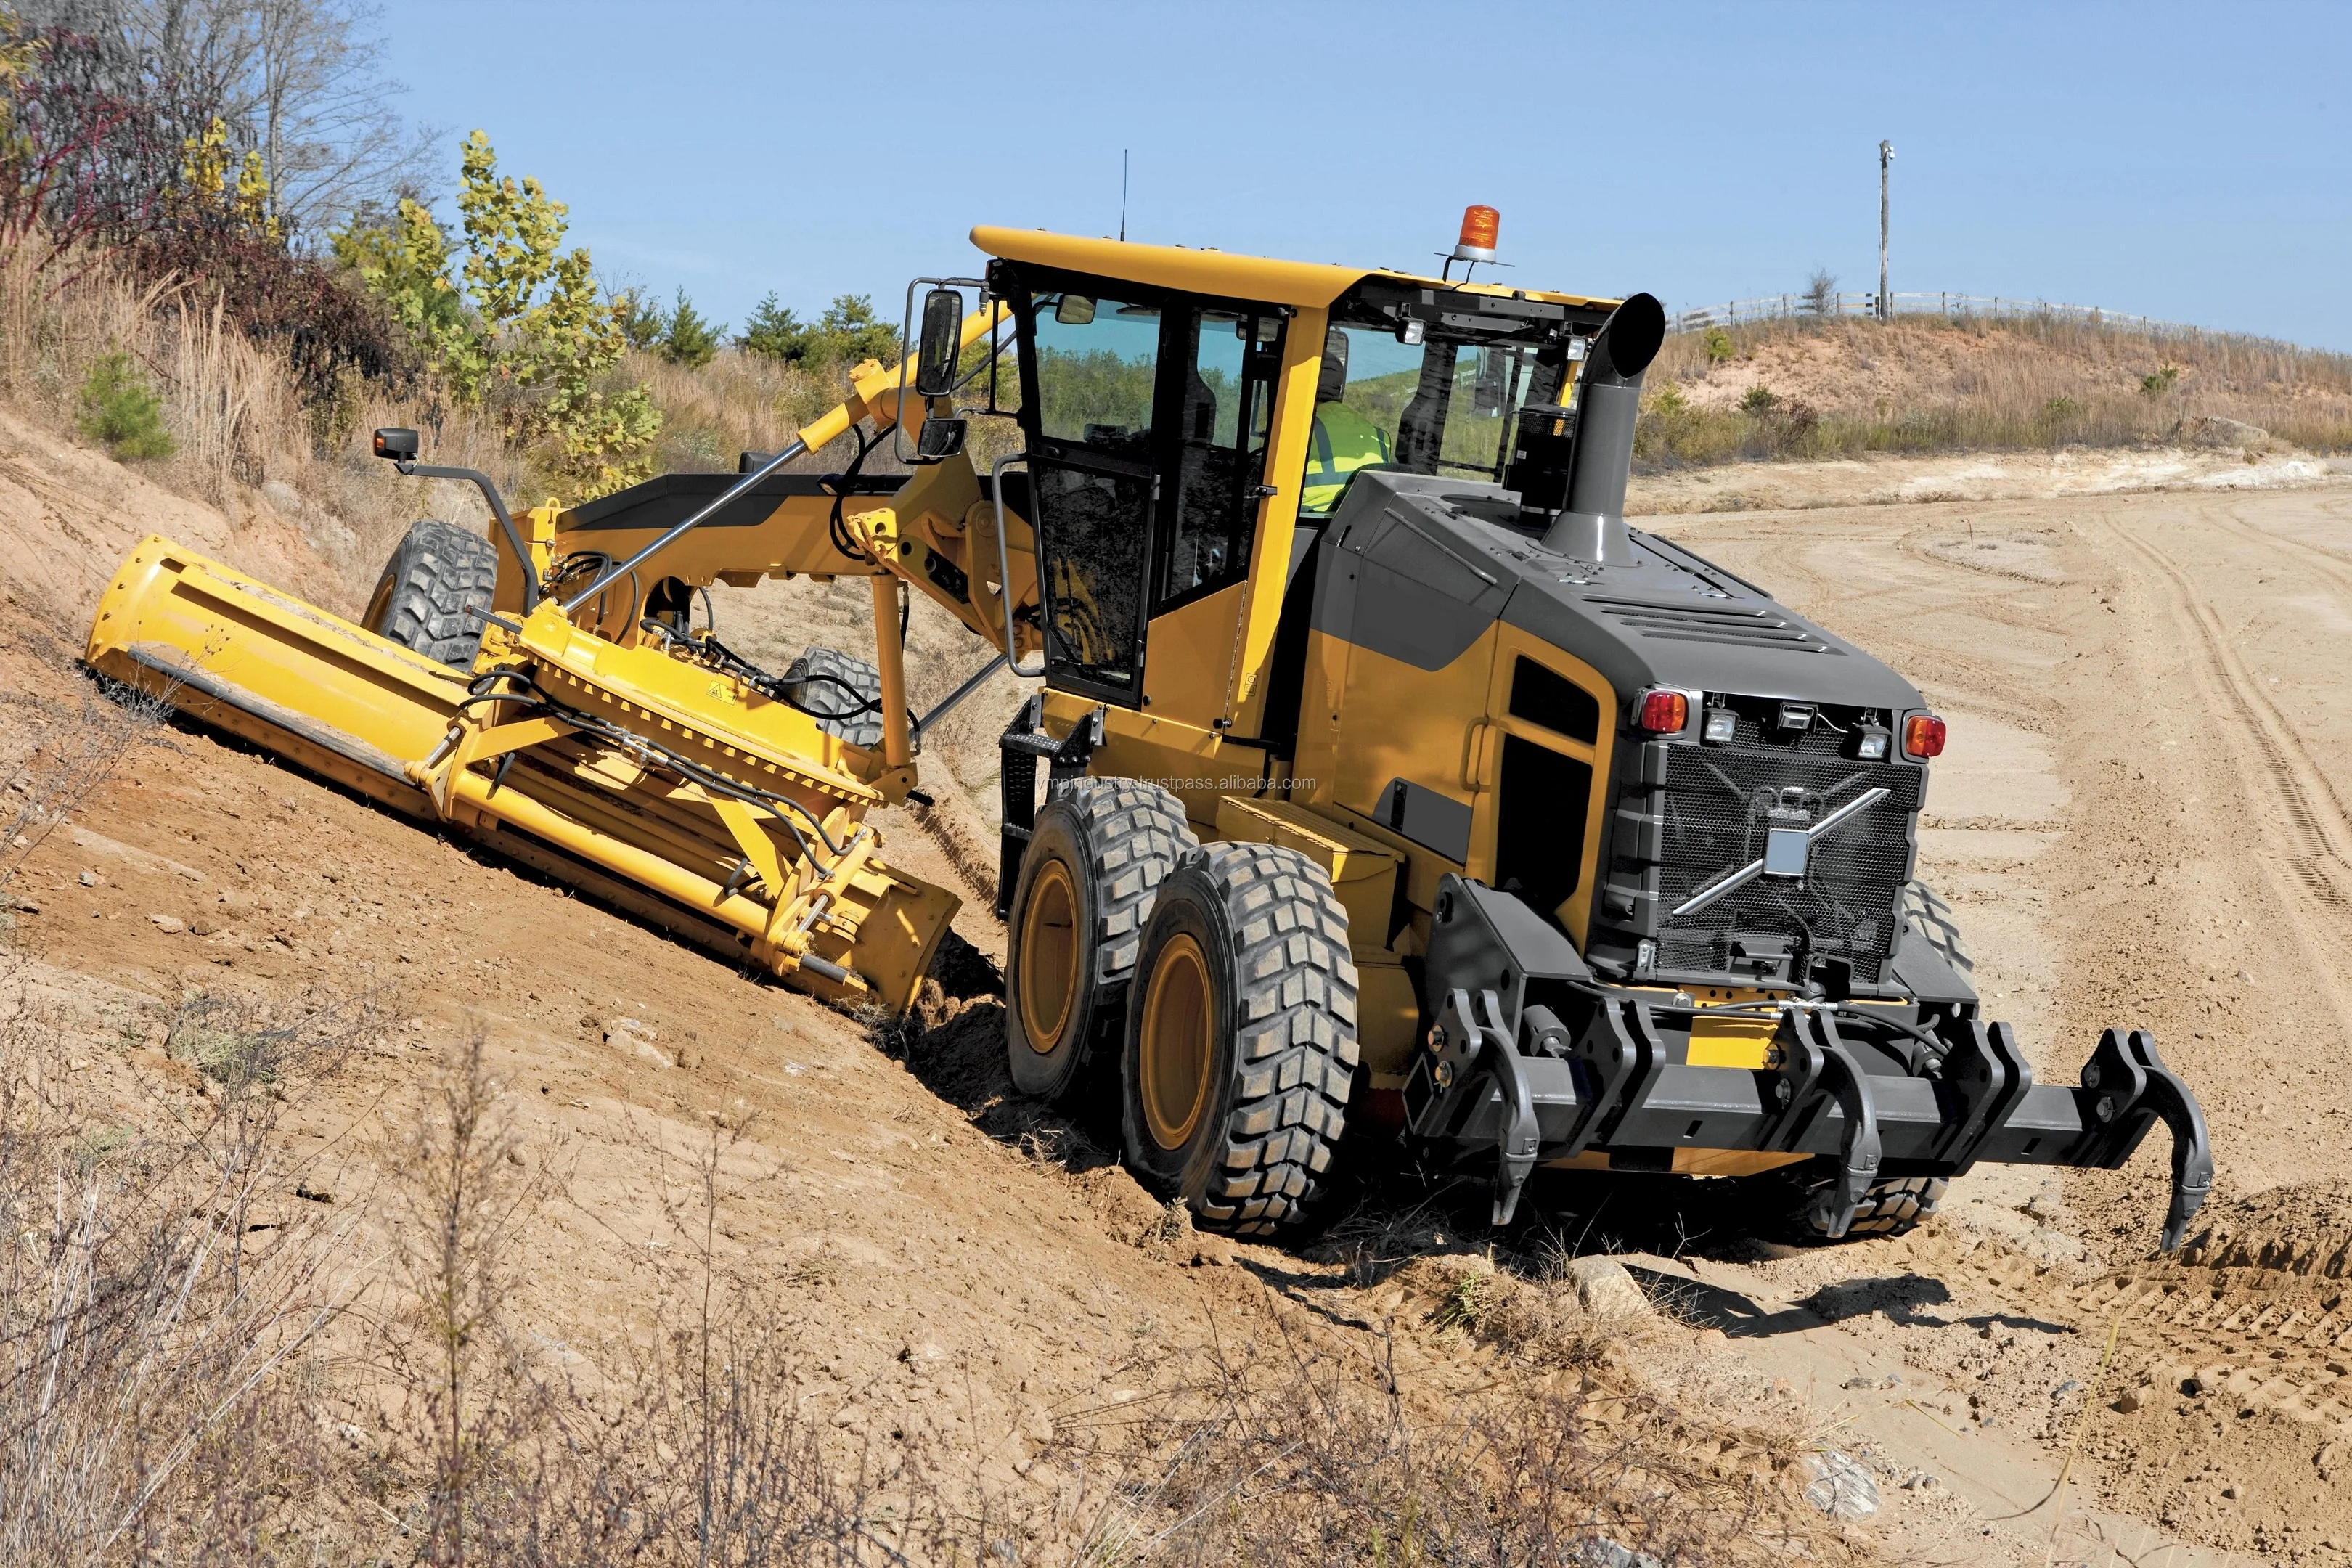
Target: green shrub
[(689, 340), (1760, 399), (2159, 382), (121, 409), (641, 323), (848, 333), (1719, 345), (774, 331)]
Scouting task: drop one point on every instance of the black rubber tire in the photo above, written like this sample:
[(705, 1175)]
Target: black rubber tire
[(437, 574), (1891, 1207), (1100, 849), (1927, 919), (853, 691), (1268, 1103)]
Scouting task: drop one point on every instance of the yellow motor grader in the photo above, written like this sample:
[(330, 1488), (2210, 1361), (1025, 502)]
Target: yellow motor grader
[(1394, 782)]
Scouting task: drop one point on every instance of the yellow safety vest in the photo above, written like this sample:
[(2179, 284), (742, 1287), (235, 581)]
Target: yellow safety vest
[(1344, 441)]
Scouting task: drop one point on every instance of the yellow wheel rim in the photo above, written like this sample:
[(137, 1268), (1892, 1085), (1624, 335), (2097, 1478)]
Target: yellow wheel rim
[(1175, 1047), (1049, 958)]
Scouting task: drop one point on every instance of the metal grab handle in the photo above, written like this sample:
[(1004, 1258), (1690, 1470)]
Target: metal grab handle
[(795, 449), (531, 588), (973, 683), (1004, 566)]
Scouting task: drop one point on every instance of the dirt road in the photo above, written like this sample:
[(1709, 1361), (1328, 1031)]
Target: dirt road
[(2141, 819)]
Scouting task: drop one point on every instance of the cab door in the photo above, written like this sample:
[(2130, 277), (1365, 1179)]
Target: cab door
[(1148, 415), (1227, 362), (1093, 363)]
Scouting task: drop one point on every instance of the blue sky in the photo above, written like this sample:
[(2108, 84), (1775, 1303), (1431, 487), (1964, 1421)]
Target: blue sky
[(2184, 162)]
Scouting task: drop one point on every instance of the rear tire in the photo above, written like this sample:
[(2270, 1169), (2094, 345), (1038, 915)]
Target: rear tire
[(1895, 1206), (434, 591), (1241, 1037), (1928, 918), (1093, 868)]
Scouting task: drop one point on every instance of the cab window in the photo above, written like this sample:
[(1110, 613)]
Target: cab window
[(1098, 365), (1226, 401)]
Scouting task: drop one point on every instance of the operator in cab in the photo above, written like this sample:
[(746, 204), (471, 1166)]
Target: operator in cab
[(1343, 440)]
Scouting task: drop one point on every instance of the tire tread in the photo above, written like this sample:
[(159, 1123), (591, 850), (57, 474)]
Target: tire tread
[(1297, 1053), (437, 572)]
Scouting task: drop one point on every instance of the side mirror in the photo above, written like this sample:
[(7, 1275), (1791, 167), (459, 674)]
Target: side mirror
[(1075, 310), (396, 444), (941, 343), (939, 440)]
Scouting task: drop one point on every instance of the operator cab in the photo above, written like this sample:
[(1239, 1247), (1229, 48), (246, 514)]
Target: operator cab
[(1443, 380), (1148, 415)]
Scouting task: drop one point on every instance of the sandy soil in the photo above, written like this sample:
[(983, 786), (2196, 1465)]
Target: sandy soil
[(2141, 819), (1885, 478)]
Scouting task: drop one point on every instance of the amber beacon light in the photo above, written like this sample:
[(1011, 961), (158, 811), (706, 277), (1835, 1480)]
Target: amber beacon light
[(1479, 228)]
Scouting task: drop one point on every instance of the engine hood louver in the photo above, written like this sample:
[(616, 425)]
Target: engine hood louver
[(1744, 626)]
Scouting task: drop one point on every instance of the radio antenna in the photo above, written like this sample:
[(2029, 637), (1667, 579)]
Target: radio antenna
[(1122, 195)]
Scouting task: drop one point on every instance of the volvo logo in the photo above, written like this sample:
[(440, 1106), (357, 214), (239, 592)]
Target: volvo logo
[(1793, 820)]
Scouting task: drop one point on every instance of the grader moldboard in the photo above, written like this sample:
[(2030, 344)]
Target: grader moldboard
[(1450, 806)]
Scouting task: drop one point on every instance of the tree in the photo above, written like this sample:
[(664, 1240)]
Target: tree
[(1821, 292), (775, 332), (298, 81), (848, 333), (689, 340), (532, 335), (641, 323)]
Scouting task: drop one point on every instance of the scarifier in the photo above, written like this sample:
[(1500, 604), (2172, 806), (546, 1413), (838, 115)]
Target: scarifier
[(1451, 810)]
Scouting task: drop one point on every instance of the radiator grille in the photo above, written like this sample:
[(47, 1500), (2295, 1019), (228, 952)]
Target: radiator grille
[(1739, 626), (1714, 823)]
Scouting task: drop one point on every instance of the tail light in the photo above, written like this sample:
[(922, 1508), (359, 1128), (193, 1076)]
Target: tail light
[(1664, 712), (1923, 735)]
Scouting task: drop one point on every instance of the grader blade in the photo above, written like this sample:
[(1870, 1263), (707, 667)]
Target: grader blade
[(726, 817)]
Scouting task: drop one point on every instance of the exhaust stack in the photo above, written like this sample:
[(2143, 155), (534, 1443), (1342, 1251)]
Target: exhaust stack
[(1608, 398)]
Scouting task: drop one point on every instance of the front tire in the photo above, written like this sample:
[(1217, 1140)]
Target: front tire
[(1241, 1037), (434, 593), (1093, 867)]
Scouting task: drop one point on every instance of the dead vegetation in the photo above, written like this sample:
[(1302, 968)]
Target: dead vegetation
[(1802, 387)]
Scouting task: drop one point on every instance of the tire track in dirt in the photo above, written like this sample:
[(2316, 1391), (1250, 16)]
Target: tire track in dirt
[(2321, 862), (1809, 590)]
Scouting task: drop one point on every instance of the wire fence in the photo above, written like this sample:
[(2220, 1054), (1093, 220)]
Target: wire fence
[(1812, 305)]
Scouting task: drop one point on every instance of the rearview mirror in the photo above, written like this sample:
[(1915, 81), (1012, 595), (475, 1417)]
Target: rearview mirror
[(939, 439), (1075, 310), (395, 443), (942, 343)]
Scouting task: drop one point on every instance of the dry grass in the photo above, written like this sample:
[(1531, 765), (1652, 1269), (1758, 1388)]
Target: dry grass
[(1841, 387), (244, 439), (203, 1360)]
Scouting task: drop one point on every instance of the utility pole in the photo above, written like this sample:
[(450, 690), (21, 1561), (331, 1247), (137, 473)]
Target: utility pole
[(1885, 303)]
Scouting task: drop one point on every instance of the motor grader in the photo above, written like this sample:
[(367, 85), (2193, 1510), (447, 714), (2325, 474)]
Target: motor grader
[(1450, 812)]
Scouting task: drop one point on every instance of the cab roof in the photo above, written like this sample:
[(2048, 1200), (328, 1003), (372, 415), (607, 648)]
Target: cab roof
[(1305, 284)]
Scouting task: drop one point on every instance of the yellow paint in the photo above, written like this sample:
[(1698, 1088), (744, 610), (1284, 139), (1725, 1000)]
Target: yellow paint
[(1305, 284), (369, 713), (1510, 645), (1363, 872), (1693, 1162)]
